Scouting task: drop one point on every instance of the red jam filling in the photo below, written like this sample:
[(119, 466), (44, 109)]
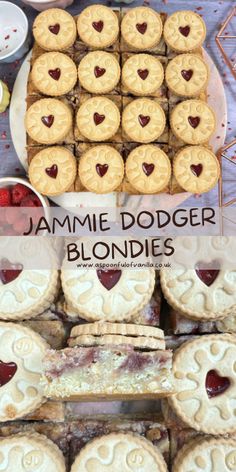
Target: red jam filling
[(143, 73), (98, 119), (52, 171), (187, 74), (48, 120), (215, 384), (184, 30), (135, 362), (98, 26), (141, 27), (208, 275), (8, 275), (109, 277), (54, 28), (143, 120), (194, 121), (7, 372), (148, 168), (99, 71), (55, 73), (196, 169), (101, 169)]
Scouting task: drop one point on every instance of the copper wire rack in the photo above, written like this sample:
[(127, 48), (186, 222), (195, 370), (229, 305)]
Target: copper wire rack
[(222, 36)]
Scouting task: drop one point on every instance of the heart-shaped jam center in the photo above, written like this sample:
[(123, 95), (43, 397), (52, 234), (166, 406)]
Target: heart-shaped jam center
[(98, 25), (194, 121), (101, 169), (54, 28), (196, 169), (55, 73), (184, 30), (52, 171), (215, 384), (141, 27), (7, 372), (98, 119), (143, 120), (9, 271), (206, 272), (187, 74), (143, 73), (48, 120), (147, 168), (99, 71), (109, 277)]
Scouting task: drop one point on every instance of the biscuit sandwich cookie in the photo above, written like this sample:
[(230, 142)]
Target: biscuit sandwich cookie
[(148, 169), (98, 119), (205, 382), (143, 120), (119, 452), (99, 72), (142, 74), (187, 75), (214, 288), (196, 169), (98, 26), (207, 455), (107, 294), (48, 121), (101, 169), (21, 354), (141, 28), (133, 356), (184, 31), (53, 170), (26, 293), (54, 30), (54, 74), (30, 452), (193, 121)]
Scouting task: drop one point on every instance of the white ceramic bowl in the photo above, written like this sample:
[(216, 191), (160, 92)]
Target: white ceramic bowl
[(42, 5), (8, 181), (14, 32)]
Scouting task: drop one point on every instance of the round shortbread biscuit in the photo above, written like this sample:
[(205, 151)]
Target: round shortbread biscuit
[(111, 339), (184, 31), (193, 121), (30, 452), (54, 74), (98, 329), (108, 295), (48, 121), (207, 455), (98, 26), (141, 28), (187, 75), (26, 293), (21, 356), (205, 382), (54, 29), (116, 452)]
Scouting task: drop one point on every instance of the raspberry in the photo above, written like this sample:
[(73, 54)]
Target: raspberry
[(19, 192), (31, 201), (11, 215), (5, 197), (20, 225)]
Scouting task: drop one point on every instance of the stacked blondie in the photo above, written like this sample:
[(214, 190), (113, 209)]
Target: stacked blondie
[(117, 102)]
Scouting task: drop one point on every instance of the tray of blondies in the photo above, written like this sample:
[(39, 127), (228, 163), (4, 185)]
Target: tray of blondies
[(128, 104)]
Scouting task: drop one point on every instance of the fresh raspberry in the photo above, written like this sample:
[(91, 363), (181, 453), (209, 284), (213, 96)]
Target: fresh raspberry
[(20, 225), (5, 197), (31, 201), (19, 192), (11, 215)]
